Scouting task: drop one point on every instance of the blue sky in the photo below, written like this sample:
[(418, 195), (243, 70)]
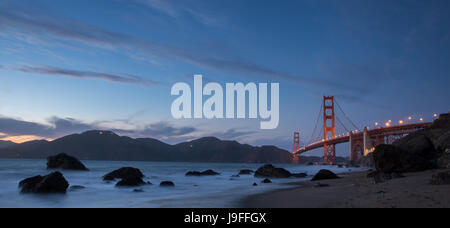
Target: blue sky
[(69, 66)]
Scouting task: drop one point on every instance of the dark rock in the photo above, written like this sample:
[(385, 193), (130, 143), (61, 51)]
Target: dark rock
[(208, 172), (442, 178), (319, 185), (76, 187), (273, 172), (340, 166), (245, 172), (255, 184), (419, 151), (52, 183), (64, 161), (138, 190), (266, 181), (299, 175), (167, 184), (310, 163), (392, 158), (149, 183), (125, 172), (130, 181), (324, 175)]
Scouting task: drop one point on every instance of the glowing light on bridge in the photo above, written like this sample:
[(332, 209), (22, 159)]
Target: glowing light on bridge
[(388, 124), (435, 115), (400, 122), (421, 119), (376, 124), (410, 118)]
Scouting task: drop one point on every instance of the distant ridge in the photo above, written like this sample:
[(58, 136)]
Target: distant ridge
[(4, 144), (106, 145)]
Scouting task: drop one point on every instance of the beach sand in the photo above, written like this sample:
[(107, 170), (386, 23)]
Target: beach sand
[(355, 190)]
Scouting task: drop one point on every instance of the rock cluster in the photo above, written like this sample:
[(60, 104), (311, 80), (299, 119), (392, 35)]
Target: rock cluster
[(208, 172), (419, 151)]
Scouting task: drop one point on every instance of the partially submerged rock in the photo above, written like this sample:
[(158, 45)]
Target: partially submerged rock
[(266, 181), (442, 178), (324, 175), (208, 172), (76, 188), (64, 161), (51, 183), (125, 172), (271, 171), (245, 172), (129, 176), (167, 184)]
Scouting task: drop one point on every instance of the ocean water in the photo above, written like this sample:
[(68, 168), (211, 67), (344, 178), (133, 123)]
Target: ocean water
[(190, 192)]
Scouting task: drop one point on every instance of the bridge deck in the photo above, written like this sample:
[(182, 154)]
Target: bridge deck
[(378, 132)]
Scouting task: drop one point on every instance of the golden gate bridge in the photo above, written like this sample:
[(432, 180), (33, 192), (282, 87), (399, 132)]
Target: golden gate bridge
[(362, 142)]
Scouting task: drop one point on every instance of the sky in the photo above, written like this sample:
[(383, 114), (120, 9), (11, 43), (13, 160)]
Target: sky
[(71, 66)]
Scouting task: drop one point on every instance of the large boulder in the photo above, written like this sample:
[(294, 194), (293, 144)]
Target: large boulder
[(208, 172), (64, 161), (324, 175), (271, 171), (413, 155), (123, 173), (52, 183)]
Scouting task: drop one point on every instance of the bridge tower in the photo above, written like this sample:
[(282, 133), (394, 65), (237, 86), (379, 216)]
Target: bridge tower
[(296, 147), (329, 129)]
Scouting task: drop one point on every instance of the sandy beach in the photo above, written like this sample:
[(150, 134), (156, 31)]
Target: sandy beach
[(355, 190)]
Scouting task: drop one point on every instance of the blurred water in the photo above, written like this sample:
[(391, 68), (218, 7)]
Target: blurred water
[(208, 191)]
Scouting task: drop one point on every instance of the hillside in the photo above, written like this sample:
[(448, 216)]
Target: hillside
[(106, 145)]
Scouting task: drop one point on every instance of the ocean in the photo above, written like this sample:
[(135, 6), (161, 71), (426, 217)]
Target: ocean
[(189, 192)]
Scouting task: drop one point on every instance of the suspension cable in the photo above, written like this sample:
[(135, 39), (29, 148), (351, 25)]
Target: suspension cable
[(348, 118), (342, 124), (315, 127)]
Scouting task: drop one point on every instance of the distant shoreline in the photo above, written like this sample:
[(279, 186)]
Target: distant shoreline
[(355, 190)]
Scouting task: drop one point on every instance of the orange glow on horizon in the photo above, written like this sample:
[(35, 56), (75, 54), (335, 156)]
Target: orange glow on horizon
[(23, 138)]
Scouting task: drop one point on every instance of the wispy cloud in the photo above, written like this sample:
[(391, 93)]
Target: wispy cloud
[(56, 127), (38, 25), (48, 70), (178, 9)]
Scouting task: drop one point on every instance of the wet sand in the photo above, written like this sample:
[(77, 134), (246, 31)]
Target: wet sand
[(355, 190)]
